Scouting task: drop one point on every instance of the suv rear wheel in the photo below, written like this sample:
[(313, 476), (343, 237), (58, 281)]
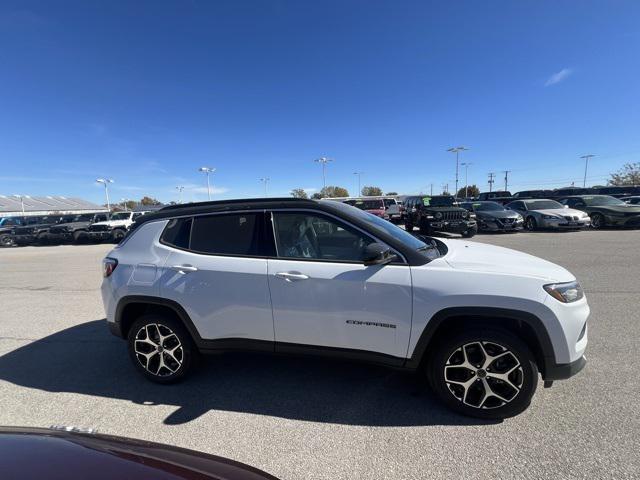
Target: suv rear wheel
[(117, 235), (484, 373), (161, 348)]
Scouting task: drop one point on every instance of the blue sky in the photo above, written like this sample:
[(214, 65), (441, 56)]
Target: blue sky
[(147, 92)]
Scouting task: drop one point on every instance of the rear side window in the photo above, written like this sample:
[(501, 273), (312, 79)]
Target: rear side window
[(177, 232), (232, 234)]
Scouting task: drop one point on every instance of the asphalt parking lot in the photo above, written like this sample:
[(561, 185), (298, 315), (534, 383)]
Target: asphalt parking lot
[(314, 419)]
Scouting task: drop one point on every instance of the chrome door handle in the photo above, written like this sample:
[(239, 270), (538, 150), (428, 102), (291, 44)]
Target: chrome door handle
[(184, 268), (292, 276)]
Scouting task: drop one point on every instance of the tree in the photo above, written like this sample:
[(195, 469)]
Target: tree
[(629, 174), (469, 191), (149, 201), (368, 191), (299, 193), (316, 196), (333, 192), (392, 193)]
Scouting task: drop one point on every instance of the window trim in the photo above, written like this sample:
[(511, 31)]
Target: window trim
[(321, 260)]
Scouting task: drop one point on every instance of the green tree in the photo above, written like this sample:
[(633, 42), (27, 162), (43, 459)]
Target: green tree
[(333, 192), (629, 174), (368, 191), (316, 196), (392, 193), (149, 201), (469, 191), (299, 193)]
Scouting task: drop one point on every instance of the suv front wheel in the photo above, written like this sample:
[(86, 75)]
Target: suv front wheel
[(484, 373), (161, 348)]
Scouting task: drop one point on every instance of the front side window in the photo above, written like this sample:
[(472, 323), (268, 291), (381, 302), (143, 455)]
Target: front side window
[(121, 216), (315, 237), (232, 234)]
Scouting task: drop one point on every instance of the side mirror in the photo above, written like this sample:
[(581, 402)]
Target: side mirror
[(377, 254)]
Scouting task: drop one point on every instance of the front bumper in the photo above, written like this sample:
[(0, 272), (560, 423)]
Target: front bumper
[(60, 236), (99, 236), (24, 239), (452, 226), (562, 371), (497, 226), (564, 224)]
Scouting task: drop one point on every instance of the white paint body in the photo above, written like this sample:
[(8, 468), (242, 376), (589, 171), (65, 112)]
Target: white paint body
[(238, 297)]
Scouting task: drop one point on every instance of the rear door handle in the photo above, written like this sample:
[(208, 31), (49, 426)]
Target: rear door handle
[(292, 276), (183, 269)]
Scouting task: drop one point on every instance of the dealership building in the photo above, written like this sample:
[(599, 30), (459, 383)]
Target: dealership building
[(16, 205)]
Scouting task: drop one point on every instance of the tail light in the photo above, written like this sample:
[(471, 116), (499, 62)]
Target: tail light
[(108, 266)]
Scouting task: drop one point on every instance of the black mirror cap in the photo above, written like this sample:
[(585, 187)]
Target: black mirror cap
[(377, 254)]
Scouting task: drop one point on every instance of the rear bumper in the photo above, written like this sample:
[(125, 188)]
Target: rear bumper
[(562, 371)]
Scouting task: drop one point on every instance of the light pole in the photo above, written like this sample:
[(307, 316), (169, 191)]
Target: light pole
[(586, 165), (106, 182), (466, 178), (21, 197), (323, 161), (265, 180), (207, 171), (124, 204), (359, 174), (180, 188), (457, 151)]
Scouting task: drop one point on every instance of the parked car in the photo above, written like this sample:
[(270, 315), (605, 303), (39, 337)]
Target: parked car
[(532, 194), (77, 229), (383, 207), (606, 211), (503, 197), (114, 229), (78, 454), (7, 230), (479, 322), (563, 192), (37, 233), (634, 200), (542, 213), (438, 213), (616, 191), (495, 217)]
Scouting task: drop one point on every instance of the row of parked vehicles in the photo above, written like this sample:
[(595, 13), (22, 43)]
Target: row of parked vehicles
[(55, 229)]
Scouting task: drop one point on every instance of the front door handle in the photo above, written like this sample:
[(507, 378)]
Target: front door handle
[(183, 269), (292, 276)]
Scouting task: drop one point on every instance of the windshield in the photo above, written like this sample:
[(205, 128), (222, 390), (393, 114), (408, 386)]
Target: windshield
[(367, 204), (488, 207), (121, 216), (389, 202), (604, 200), (441, 201), (543, 205), (385, 226)]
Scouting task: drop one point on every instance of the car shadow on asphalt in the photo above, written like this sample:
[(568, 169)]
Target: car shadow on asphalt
[(88, 360)]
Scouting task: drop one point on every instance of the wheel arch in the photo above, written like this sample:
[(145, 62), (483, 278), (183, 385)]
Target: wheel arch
[(131, 307), (525, 325)]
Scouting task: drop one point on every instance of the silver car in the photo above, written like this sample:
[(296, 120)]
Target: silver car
[(541, 213)]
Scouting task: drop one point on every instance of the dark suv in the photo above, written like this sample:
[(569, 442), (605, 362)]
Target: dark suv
[(438, 214), (7, 230), (38, 232), (76, 230)]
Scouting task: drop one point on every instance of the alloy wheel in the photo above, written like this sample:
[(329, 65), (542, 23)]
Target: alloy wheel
[(158, 349), (483, 375)]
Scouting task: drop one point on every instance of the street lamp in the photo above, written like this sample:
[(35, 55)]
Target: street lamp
[(124, 204), (359, 174), (265, 180), (586, 165), (180, 188), (21, 197), (466, 178), (457, 151), (106, 182), (207, 171), (323, 161)]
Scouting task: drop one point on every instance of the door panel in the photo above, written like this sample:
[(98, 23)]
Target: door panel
[(342, 305), (226, 297)]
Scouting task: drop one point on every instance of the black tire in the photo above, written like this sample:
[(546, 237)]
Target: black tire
[(408, 226), (78, 236), (117, 235), (525, 374), (598, 221), (530, 224), (178, 362), (6, 241), (425, 229), (42, 239), (470, 232)]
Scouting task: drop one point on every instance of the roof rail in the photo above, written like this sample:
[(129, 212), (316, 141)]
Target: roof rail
[(214, 203)]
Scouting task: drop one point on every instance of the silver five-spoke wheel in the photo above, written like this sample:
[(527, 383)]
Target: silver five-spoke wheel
[(483, 375), (158, 349)]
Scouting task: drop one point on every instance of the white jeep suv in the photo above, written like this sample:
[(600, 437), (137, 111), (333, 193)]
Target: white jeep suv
[(114, 229), (300, 276)]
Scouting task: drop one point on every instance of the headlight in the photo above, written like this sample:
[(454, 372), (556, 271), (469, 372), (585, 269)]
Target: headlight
[(439, 215), (565, 292), (519, 218), (550, 217)]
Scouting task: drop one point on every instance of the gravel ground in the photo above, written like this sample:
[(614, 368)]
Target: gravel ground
[(312, 419)]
